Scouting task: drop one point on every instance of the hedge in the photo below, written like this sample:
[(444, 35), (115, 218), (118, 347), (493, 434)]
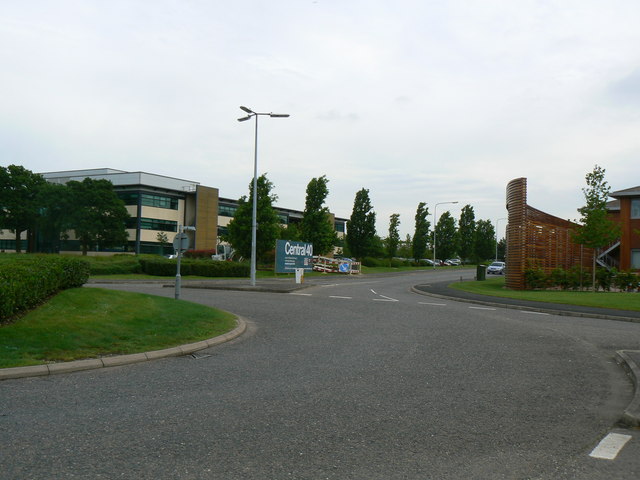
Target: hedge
[(203, 268), (27, 281)]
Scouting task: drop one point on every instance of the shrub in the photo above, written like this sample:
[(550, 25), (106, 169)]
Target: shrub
[(199, 253), (626, 281), (604, 278), (535, 277), (116, 265), (27, 281)]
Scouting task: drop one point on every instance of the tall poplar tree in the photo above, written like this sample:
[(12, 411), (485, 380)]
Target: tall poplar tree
[(316, 226), (421, 233), (485, 243), (466, 232), (446, 236), (361, 227), (393, 240)]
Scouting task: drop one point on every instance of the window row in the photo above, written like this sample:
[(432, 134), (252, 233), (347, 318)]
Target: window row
[(149, 200), (153, 224)]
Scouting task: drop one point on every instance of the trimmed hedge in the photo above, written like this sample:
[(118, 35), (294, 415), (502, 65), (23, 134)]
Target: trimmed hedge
[(204, 268), (28, 280), (123, 265)]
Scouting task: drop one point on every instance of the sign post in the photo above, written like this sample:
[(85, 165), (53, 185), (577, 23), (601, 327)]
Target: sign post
[(180, 244)]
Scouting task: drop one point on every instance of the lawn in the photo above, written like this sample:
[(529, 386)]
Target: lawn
[(495, 287), (92, 322)]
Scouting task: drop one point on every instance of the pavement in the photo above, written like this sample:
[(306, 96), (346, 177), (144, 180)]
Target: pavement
[(627, 359)]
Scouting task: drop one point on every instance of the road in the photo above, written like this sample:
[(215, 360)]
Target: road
[(354, 378)]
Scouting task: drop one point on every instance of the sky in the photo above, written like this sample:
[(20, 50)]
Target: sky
[(415, 100)]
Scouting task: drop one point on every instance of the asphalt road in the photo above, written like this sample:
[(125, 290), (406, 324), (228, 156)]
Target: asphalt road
[(354, 378)]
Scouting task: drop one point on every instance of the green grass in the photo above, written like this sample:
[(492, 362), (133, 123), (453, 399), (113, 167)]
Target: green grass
[(91, 322), (495, 287)]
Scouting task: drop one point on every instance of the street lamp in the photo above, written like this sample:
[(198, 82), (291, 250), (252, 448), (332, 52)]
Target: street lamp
[(498, 220), (254, 218), (434, 230)]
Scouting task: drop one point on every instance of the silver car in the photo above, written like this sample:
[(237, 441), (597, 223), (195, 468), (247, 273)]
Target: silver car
[(496, 268)]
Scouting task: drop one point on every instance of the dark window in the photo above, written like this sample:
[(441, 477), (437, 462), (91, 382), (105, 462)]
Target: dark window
[(225, 210)]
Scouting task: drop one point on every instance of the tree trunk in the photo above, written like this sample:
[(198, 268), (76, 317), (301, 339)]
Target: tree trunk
[(18, 242)]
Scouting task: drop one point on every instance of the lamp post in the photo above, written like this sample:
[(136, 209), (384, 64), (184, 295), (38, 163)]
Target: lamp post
[(434, 230), (254, 218), (497, 221)]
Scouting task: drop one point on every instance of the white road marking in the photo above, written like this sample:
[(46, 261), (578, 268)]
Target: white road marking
[(438, 304), (533, 313), (389, 299), (373, 291), (482, 308), (610, 446), (301, 294), (338, 296)]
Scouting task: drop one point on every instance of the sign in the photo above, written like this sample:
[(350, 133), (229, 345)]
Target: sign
[(291, 255), (181, 242), (344, 267)]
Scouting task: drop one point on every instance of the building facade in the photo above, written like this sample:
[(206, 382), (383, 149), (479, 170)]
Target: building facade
[(624, 254), (158, 205)]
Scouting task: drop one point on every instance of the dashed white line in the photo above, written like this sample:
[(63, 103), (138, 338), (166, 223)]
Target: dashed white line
[(482, 308), (301, 294), (437, 304), (533, 313), (610, 446), (338, 296)]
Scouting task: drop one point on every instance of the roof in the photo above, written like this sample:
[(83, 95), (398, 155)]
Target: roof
[(613, 206), (628, 192)]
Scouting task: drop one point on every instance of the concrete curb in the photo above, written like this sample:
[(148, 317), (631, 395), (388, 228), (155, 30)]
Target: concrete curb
[(631, 415), (118, 360)]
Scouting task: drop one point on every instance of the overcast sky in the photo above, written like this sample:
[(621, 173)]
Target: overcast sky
[(417, 101)]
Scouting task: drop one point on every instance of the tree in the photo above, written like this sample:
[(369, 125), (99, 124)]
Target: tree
[(98, 216), (485, 240), (421, 233), (55, 215), (19, 190), (446, 236), (239, 229), (361, 227), (393, 240), (405, 249), (466, 232), (597, 229), (316, 226), (163, 239)]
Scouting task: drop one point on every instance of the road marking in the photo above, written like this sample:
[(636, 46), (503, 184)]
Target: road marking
[(610, 446), (482, 308), (337, 296), (373, 291), (301, 294), (437, 304), (534, 313)]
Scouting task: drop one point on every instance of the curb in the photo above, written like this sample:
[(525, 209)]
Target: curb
[(631, 415), (118, 360)]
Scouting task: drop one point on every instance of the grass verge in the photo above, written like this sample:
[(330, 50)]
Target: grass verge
[(92, 322), (495, 287)]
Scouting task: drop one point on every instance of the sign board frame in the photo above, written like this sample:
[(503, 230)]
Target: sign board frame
[(291, 255)]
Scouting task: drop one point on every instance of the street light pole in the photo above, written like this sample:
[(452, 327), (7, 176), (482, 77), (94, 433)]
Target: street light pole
[(434, 230), (497, 221), (254, 217)]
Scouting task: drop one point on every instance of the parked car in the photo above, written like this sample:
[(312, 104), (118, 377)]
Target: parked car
[(454, 261), (496, 268)]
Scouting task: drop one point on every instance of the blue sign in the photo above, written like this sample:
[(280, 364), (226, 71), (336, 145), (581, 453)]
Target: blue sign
[(291, 255), (344, 267)]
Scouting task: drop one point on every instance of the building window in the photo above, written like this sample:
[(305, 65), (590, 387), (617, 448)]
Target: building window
[(149, 200), (225, 210), (635, 208), (339, 226), (153, 224), (635, 259)]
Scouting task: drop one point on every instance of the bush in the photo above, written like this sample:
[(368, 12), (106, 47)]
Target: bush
[(29, 280), (604, 278), (204, 268), (199, 253), (535, 277), (116, 265), (626, 281)]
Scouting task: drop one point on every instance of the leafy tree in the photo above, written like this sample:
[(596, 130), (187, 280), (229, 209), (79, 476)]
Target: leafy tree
[(163, 239), (290, 232), (98, 216), (19, 210), (393, 240), (502, 248), (485, 240), (239, 229), (56, 208), (466, 232), (597, 230), (446, 236), (361, 227), (421, 233), (317, 226)]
